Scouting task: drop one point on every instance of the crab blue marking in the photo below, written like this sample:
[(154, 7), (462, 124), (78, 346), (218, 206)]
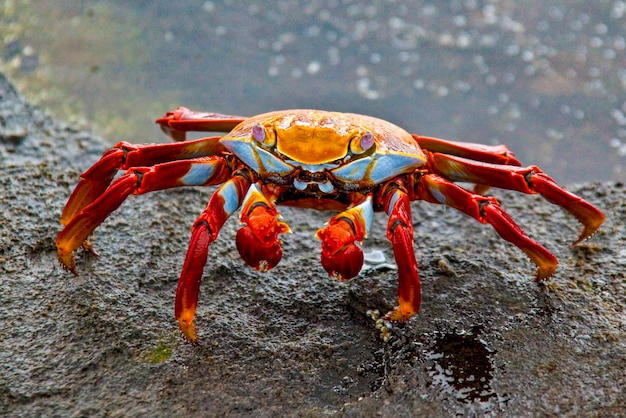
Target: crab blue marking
[(354, 171), (437, 195), (255, 157), (272, 163), (198, 174), (367, 212), (326, 187), (228, 192), (300, 185), (392, 202), (391, 165), (379, 167), (242, 150)]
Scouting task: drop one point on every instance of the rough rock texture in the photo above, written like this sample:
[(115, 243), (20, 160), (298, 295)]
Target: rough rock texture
[(294, 341)]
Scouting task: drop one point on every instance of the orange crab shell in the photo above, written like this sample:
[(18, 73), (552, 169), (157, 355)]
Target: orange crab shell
[(354, 150)]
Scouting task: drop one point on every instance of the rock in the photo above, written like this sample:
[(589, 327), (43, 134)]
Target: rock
[(293, 341)]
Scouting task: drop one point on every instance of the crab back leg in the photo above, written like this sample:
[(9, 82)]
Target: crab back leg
[(485, 209), (177, 122), (226, 199), (400, 233), (341, 257), (139, 180), (495, 154), (528, 180), (123, 156), (257, 241)]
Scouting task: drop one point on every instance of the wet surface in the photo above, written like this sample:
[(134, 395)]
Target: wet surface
[(487, 341), (462, 366), (545, 78)]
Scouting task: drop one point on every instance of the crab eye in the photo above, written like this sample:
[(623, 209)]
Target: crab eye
[(362, 144), (367, 141), (258, 132)]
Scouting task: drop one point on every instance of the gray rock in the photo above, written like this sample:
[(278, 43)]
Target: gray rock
[(293, 341)]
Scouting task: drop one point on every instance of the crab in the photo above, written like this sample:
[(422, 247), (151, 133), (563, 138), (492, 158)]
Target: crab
[(352, 164)]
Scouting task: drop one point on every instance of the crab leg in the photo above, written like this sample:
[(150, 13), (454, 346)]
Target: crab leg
[(400, 234), (123, 156), (496, 154), (205, 230), (485, 209), (258, 242), (341, 257), (139, 180), (522, 179), (175, 123)]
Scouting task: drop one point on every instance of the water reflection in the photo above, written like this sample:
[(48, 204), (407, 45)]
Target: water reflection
[(546, 78)]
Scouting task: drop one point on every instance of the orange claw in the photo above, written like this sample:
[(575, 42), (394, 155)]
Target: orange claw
[(258, 242), (341, 257)]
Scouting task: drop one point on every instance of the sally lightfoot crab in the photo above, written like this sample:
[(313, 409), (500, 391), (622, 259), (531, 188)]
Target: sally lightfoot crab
[(347, 163)]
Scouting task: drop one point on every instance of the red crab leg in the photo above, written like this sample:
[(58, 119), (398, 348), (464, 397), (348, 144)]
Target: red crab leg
[(341, 257), (400, 233), (258, 242), (205, 230), (175, 123), (123, 156), (522, 179), (486, 209), (139, 180), (496, 154)]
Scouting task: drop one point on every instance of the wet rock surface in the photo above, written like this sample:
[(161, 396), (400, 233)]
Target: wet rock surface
[(293, 341)]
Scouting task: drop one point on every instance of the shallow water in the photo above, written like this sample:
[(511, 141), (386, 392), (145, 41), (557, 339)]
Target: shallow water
[(547, 79)]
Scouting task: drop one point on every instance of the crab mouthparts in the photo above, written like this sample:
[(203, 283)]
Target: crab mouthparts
[(320, 179)]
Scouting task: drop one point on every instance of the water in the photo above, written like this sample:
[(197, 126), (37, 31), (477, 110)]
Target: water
[(546, 78)]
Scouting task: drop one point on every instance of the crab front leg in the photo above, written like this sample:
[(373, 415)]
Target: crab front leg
[(226, 199), (139, 180), (124, 156), (341, 257), (257, 241), (400, 233)]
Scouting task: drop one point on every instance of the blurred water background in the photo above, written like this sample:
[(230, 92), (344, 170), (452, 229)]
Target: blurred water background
[(546, 78)]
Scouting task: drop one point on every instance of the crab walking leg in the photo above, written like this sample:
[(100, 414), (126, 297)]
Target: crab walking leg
[(205, 171), (257, 241), (496, 154), (485, 209), (175, 123), (341, 257), (205, 230), (400, 234), (123, 156), (522, 179)]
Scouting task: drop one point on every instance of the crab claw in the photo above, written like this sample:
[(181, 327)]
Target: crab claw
[(260, 255), (345, 263), (258, 242), (341, 257)]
